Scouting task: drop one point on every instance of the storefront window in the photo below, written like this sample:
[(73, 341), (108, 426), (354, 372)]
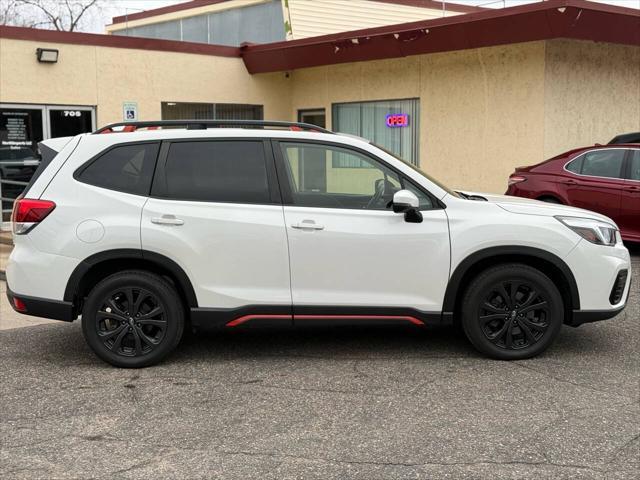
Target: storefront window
[(392, 124), (211, 111)]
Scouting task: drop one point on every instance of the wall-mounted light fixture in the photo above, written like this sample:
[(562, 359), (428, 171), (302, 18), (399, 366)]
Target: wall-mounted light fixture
[(47, 55)]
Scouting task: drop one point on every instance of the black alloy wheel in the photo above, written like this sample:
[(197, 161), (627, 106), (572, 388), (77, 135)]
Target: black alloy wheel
[(514, 315), (131, 322), (512, 311), (133, 319)]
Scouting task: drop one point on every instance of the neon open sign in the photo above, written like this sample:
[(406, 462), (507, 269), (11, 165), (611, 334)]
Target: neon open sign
[(396, 120)]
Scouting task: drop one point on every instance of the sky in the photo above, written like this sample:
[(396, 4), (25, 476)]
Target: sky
[(121, 7)]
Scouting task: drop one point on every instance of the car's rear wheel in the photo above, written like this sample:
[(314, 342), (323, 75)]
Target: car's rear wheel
[(512, 311), (133, 319)]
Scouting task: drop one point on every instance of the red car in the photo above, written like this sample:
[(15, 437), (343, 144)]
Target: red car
[(603, 178)]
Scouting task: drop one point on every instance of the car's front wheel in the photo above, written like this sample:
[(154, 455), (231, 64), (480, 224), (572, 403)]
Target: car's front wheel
[(512, 311), (133, 319)]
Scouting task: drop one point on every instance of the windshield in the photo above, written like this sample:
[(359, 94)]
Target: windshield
[(416, 169)]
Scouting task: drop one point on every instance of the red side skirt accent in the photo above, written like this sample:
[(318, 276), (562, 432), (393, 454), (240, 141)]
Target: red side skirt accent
[(246, 318), (401, 318)]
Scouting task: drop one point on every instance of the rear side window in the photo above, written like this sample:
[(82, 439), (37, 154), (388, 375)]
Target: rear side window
[(126, 168), (603, 163), (576, 165), (217, 171)]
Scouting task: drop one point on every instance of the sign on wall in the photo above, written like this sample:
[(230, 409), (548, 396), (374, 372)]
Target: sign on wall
[(396, 120), (130, 111)]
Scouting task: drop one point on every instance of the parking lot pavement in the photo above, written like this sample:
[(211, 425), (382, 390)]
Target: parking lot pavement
[(327, 403)]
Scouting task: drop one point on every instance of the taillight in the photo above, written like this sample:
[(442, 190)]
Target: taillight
[(27, 213), (19, 305), (513, 179)]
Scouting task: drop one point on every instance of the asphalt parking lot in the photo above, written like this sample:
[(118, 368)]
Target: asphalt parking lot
[(323, 403)]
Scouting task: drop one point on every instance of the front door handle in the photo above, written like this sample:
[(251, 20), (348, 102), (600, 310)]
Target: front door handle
[(633, 188), (307, 225), (167, 220)]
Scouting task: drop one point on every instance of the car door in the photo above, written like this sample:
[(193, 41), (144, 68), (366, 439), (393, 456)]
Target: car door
[(629, 220), (216, 211), (595, 181), (349, 253)]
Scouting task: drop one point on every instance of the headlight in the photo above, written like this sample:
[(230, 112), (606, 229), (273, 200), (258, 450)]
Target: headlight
[(595, 231)]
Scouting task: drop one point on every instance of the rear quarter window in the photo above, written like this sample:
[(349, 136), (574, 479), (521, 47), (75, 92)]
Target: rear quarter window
[(125, 168)]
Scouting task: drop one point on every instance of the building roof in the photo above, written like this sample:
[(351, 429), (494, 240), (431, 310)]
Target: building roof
[(573, 19), (117, 41), (433, 4)]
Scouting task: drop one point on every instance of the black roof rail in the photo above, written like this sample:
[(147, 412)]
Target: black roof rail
[(204, 124)]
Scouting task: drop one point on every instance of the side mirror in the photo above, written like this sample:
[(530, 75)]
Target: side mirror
[(405, 201)]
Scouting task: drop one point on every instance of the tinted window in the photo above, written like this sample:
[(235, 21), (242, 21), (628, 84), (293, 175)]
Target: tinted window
[(634, 174), (319, 177), (576, 165), (217, 171), (127, 168), (603, 163)]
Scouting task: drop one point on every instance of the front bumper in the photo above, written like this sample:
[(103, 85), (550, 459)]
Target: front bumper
[(41, 307), (596, 278)]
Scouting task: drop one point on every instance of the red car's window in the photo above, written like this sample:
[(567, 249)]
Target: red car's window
[(635, 166), (599, 163)]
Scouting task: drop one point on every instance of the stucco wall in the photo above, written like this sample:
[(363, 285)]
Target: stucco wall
[(107, 77), (592, 93), (482, 111)]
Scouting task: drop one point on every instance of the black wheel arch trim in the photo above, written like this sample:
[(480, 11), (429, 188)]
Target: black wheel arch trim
[(456, 279), (163, 262)]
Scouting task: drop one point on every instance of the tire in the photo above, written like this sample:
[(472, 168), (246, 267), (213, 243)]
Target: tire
[(133, 319), (512, 312)]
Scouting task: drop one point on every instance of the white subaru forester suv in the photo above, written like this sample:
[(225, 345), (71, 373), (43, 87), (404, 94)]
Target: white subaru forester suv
[(145, 228)]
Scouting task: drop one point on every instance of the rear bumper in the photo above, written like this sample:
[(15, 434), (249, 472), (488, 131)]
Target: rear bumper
[(42, 307)]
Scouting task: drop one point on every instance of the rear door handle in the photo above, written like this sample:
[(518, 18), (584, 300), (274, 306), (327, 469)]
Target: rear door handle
[(167, 220), (569, 182), (633, 188), (307, 225)]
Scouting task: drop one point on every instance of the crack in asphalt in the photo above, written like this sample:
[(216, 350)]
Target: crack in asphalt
[(408, 464)]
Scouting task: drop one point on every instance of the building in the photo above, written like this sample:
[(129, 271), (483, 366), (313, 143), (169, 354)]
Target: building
[(233, 22), (476, 94)]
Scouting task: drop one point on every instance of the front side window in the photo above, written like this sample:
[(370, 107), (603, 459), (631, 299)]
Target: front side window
[(603, 163), (319, 178), (126, 168), (217, 171)]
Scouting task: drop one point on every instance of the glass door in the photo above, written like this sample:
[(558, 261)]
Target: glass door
[(70, 121), (22, 127)]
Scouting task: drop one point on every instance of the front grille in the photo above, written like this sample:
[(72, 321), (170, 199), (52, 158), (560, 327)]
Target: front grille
[(618, 287)]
